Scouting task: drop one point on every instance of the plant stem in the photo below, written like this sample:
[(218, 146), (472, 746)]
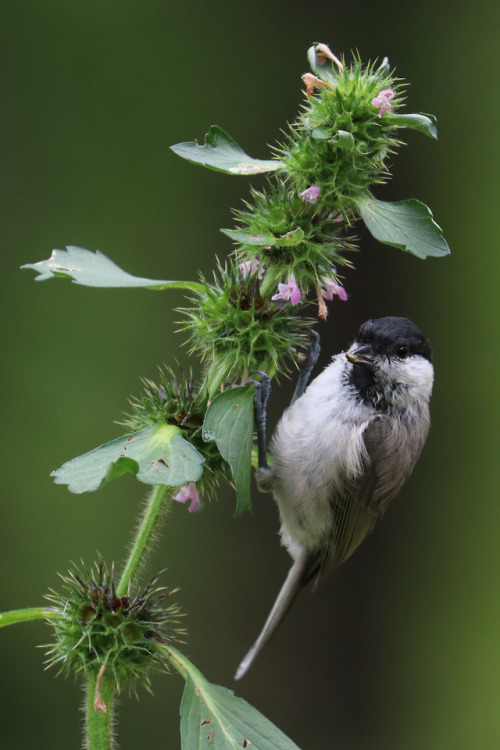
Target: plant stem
[(99, 723), (157, 504), (24, 615)]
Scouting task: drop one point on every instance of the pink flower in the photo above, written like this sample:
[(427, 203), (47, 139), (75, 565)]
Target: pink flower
[(310, 194), (288, 292), (383, 101), (331, 289), (336, 216), (251, 267), (188, 492)]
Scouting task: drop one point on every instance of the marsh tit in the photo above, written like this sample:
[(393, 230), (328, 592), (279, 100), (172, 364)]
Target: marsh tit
[(342, 450)]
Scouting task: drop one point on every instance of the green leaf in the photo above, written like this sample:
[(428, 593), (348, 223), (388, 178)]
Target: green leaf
[(290, 239), (423, 123), (157, 455), (222, 153), (406, 224), (344, 140), (265, 240), (95, 269), (319, 134), (245, 237), (229, 421), (213, 717)]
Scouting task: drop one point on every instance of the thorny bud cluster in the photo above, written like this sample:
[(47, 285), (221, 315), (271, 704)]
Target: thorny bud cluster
[(95, 629)]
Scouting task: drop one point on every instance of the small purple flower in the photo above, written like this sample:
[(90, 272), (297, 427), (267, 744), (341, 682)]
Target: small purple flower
[(383, 101), (310, 194), (188, 492), (332, 289), (251, 267), (288, 292)]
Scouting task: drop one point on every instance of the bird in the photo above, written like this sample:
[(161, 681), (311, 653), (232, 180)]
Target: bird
[(342, 451)]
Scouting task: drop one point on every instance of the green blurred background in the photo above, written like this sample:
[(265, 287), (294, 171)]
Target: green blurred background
[(401, 648)]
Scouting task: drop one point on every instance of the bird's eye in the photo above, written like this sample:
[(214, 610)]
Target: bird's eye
[(402, 352)]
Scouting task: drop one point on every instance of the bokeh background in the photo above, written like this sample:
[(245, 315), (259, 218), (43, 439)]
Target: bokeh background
[(400, 650)]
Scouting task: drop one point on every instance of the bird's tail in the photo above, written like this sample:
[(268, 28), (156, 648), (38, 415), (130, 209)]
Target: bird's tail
[(291, 587)]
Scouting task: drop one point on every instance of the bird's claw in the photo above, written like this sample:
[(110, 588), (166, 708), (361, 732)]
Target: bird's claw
[(306, 362), (308, 355), (262, 391)]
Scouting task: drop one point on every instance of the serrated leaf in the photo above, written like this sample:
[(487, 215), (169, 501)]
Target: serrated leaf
[(426, 124), (405, 224), (95, 269), (213, 717), (229, 422), (244, 237), (157, 455), (222, 153)]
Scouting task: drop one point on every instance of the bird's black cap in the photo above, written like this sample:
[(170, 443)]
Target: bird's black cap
[(394, 336)]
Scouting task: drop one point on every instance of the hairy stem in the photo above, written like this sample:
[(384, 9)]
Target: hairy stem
[(25, 615), (157, 504), (99, 713)]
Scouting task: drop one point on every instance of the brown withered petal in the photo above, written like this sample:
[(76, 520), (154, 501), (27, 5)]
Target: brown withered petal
[(324, 53), (312, 82), (322, 309)]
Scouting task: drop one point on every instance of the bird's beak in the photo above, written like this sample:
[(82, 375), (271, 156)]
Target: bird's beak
[(361, 355)]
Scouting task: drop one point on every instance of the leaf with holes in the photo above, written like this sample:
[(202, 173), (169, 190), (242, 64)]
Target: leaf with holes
[(229, 421), (222, 153), (213, 717), (95, 269), (156, 455)]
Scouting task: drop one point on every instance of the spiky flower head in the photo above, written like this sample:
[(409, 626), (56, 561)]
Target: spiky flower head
[(174, 399), (95, 627), (177, 400), (236, 329), (296, 238), (345, 133)]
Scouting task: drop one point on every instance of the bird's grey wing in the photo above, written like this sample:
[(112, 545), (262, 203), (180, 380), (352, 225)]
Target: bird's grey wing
[(392, 451), (386, 468), (380, 438)]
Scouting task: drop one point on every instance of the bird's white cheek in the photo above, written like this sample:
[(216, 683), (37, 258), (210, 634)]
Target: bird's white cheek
[(419, 376)]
